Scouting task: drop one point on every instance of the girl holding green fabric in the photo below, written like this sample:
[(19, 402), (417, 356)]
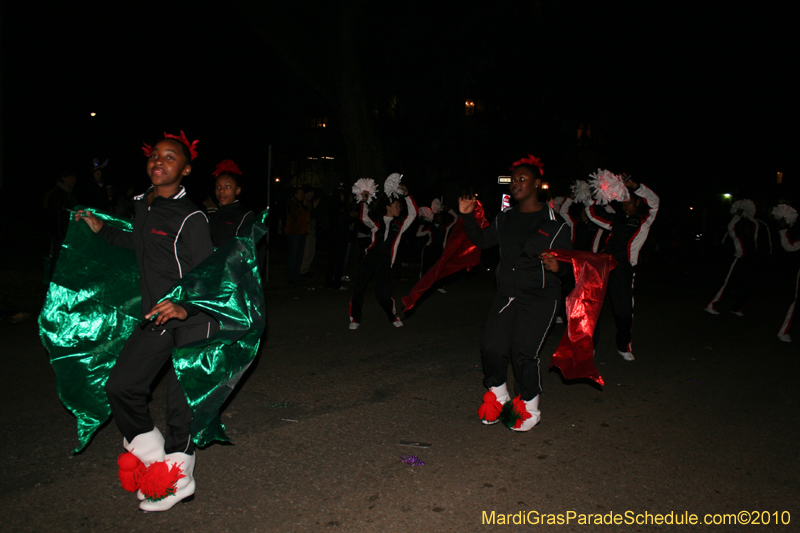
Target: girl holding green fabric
[(170, 237)]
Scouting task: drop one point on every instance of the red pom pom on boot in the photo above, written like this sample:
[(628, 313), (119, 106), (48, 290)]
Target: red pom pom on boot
[(493, 401), (168, 483), (130, 471)]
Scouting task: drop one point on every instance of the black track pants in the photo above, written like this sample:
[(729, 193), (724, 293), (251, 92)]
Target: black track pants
[(381, 271), (620, 296), (128, 386), (515, 331)]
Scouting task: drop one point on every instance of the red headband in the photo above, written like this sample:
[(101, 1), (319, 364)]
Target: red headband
[(192, 146), (530, 160), (147, 149), (226, 167)]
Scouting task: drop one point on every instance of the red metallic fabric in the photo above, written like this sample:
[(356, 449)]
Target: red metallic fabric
[(575, 353), (458, 254)]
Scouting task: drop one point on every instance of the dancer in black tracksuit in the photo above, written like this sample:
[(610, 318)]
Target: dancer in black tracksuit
[(170, 237), (227, 221), (380, 255), (528, 288), (629, 230)]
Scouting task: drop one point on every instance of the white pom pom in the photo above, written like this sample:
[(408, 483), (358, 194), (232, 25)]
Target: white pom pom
[(608, 187), (436, 205), (391, 184), (365, 184), (556, 203), (785, 212), (746, 208), (426, 213), (582, 192)]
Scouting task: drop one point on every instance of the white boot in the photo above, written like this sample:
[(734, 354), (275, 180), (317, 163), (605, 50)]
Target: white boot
[(147, 447), (532, 406), (501, 393), (184, 488)]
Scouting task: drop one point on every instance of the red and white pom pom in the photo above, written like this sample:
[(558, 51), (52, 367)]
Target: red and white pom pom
[(426, 213), (391, 184), (745, 207), (362, 185), (582, 192), (608, 187), (436, 205), (556, 203), (785, 212)]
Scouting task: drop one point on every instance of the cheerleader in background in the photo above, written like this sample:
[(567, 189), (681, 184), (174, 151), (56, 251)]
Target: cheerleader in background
[(629, 230), (439, 220), (382, 251), (227, 221), (743, 230), (787, 216)]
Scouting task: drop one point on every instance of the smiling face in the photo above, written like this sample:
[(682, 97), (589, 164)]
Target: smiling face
[(227, 190), (523, 184), (167, 165)]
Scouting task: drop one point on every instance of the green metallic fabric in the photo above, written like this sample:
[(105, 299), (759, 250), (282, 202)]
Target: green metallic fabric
[(93, 303)]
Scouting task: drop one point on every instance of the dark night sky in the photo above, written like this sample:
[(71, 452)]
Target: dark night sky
[(698, 96)]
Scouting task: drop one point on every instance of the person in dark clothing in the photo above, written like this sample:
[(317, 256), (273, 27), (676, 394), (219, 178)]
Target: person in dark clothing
[(338, 233), (227, 221), (528, 291), (57, 201), (170, 237), (629, 230), (740, 279), (381, 254), (437, 230)]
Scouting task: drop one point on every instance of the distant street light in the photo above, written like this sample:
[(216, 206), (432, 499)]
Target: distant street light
[(93, 114), (726, 195)]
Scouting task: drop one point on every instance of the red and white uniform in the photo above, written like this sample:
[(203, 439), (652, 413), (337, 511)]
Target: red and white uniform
[(790, 246)]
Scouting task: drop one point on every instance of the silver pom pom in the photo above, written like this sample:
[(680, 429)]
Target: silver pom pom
[(362, 185), (785, 212)]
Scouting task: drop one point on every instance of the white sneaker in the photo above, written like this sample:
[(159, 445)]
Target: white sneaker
[(441, 289), (737, 313), (397, 323), (710, 309), (345, 278), (628, 356), (785, 337), (354, 325)]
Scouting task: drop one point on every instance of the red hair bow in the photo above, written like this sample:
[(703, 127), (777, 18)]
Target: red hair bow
[(530, 160), (226, 167), (147, 149), (192, 146)]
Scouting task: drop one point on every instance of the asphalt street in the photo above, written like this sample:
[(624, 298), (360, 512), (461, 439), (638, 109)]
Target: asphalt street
[(704, 421)]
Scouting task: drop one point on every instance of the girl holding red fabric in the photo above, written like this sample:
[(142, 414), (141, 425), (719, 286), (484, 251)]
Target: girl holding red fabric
[(528, 291)]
